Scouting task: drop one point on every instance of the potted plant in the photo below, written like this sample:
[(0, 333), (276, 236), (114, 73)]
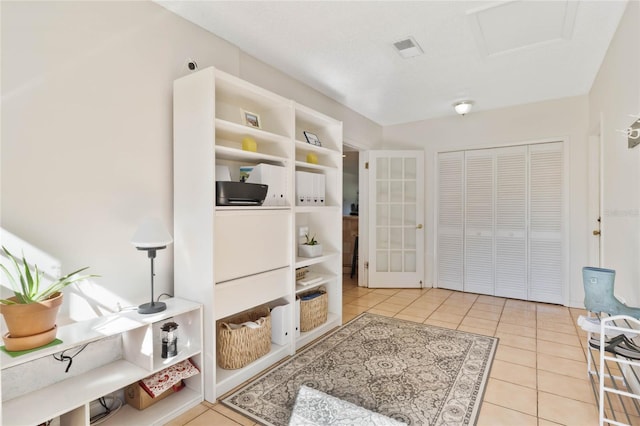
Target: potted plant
[(310, 248), (31, 313)]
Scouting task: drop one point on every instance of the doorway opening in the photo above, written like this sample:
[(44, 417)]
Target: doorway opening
[(350, 212)]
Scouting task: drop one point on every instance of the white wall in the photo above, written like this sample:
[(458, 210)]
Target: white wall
[(357, 129), (614, 95), (562, 119), (87, 130)]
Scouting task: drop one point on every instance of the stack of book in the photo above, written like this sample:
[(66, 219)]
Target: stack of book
[(309, 279)]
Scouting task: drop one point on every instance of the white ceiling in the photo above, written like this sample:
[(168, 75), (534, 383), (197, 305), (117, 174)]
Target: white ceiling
[(497, 54)]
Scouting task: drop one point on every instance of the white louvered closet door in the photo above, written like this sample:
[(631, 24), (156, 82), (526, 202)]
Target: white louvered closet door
[(450, 247), (546, 201), (511, 222), (479, 227)]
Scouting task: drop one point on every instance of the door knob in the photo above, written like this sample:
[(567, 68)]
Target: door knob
[(419, 226), (596, 232)]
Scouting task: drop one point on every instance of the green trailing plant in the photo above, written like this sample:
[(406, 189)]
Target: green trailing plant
[(310, 241), (27, 283)]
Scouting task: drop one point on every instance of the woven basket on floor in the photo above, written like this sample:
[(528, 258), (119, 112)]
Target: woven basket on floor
[(313, 313), (240, 346)]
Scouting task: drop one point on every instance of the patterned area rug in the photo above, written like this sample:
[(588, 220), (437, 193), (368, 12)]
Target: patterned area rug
[(415, 373)]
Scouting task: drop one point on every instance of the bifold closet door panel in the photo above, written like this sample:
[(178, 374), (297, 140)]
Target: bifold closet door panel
[(546, 211), (479, 227), (450, 246), (511, 222)]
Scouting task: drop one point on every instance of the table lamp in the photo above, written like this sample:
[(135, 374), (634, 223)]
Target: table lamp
[(151, 236)]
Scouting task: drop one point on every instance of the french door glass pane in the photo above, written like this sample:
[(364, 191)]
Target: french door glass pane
[(395, 217), (410, 238), (382, 238), (410, 215), (396, 238), (410, 168), (382, 214), (396, 261), (396, 191), (382, 191), (382, 261), (382, 168), (410, 261), (396, 168), (410, 192)]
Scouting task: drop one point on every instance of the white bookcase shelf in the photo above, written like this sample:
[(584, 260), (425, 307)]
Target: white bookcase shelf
[(139, 335), (328, 256), (234, 154), (324, 278), (317, 209), (310, 166), (226, 380), (333, 320), (235, 258), (325, 222)]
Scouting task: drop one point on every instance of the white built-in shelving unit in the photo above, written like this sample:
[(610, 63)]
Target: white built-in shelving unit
[(324, 221), (139, 340), (235, 258)]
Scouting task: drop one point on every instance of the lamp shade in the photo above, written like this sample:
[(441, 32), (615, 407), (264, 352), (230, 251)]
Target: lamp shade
[(151, 234), (462, 107)]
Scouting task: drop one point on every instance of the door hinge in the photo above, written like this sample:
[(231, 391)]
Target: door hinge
[(366, 165), (366, 265)]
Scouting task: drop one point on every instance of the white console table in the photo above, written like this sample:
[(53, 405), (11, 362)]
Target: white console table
[(138, 339)]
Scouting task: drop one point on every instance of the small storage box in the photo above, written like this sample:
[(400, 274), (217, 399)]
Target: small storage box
[(237, 347), (138, 398), (313, 311), (301, 272)]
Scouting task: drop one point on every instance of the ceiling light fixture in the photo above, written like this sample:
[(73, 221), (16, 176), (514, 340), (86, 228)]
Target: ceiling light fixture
[(462, 107)]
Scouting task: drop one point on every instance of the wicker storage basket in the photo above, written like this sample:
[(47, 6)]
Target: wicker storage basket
[(237, 347), (313, 312)]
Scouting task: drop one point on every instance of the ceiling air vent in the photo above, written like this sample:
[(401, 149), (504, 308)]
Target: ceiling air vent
[(408, 48)]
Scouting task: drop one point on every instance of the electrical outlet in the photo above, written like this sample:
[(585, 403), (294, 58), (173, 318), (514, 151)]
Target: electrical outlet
[(303, 230)]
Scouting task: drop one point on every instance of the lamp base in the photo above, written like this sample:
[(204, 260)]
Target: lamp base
[(151, 308)]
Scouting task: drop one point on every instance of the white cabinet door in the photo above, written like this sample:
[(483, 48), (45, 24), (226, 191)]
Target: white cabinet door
[(511, 222), (479, 228), (450, 244), (251, 242), (546, 214)]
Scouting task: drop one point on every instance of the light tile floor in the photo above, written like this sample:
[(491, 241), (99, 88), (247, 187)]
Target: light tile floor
[(539, 374)]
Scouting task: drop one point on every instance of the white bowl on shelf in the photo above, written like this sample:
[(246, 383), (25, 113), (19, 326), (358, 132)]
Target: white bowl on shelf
[(306, 250)]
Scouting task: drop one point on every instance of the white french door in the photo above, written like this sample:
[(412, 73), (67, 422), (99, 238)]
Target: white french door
[(396, 211), (500, 222)]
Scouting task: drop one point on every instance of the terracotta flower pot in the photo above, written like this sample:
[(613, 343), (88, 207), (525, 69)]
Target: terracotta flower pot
[(29, 342), (32, 318)]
